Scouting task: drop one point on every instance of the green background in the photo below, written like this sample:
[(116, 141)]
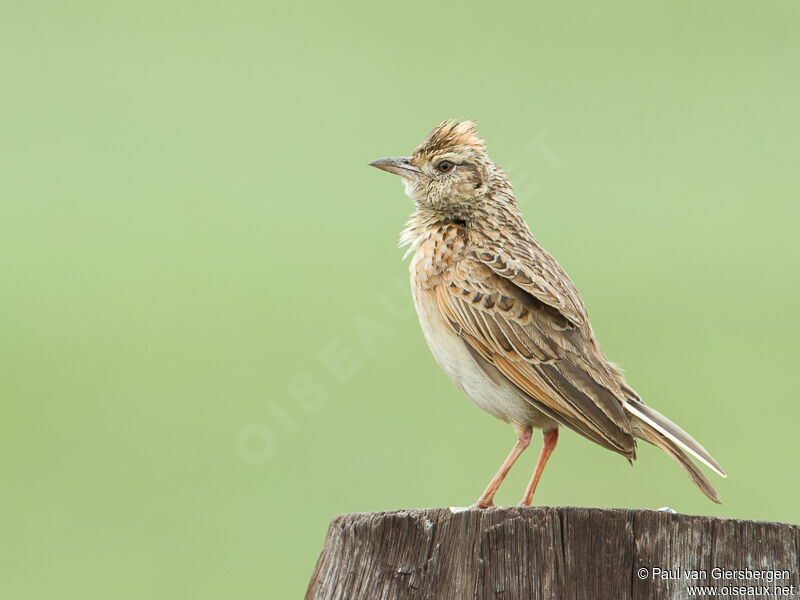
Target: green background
[(187, 223)]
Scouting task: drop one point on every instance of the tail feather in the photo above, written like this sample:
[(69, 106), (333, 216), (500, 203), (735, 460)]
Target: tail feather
[(651, 426), (672, 432), (679, 456)]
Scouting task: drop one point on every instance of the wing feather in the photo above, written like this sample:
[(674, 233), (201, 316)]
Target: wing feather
[(537, 349)]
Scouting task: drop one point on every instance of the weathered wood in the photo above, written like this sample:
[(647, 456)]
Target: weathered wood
[(560, 553)]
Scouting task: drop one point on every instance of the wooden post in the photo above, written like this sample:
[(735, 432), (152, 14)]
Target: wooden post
[(558, 553)]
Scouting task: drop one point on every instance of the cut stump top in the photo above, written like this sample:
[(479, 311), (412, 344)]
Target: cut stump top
[(552, 552)]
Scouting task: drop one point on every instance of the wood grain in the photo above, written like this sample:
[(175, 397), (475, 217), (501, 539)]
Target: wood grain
[(544, 552)]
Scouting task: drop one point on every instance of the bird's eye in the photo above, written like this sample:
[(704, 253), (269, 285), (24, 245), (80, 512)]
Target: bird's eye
[(445, 166)]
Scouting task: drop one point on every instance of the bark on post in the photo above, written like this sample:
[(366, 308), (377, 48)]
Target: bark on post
[(560, 553)]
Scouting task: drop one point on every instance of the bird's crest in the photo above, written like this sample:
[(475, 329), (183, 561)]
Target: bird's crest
[(448, 134)]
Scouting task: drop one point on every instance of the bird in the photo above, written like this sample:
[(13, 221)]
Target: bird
[(505, 322)]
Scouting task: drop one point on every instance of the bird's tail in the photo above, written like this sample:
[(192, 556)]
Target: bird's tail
[(651, 426)]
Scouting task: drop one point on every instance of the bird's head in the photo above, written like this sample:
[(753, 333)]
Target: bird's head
[(448, 172)]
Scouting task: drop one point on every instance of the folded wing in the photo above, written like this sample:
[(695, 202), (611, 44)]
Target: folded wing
[(546, 352)]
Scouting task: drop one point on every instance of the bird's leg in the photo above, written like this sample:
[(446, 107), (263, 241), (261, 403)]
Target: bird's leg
[(550, 440), (523, 441)]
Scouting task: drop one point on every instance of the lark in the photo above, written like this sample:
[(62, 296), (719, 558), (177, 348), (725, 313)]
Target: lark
[(505, 322)]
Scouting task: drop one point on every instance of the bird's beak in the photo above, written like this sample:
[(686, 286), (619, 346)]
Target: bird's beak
[(398, 165)]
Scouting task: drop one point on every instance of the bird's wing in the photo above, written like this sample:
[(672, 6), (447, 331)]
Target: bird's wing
[(521, 260), (538, 349)]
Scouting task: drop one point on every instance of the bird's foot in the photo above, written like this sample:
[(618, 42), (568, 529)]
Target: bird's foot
[(483, 504)]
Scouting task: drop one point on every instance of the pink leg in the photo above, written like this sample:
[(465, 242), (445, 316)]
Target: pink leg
[(550, 440), (523, 441)]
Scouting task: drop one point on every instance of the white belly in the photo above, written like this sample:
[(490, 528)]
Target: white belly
[(453, 357)]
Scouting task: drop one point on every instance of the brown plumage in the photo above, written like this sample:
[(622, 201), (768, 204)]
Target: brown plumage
[(503, 319)]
